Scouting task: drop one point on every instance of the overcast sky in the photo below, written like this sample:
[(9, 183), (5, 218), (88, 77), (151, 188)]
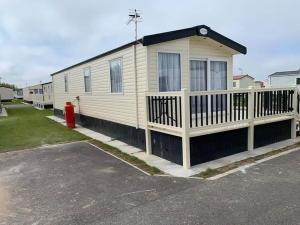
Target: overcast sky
[(39, 37)]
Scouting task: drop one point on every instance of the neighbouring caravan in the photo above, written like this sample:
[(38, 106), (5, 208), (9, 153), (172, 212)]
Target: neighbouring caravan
[(285, 79), (242, 81), (6, 94), (171, 95), (39, 95), (27, 95), (18, 93)]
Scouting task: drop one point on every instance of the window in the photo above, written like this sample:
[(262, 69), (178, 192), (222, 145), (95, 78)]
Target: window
[(234, 84), (169, 71), (297, 80), (198, 82), (36, 91), (116, 76), (41, 91), (87, 79), (218, 75), (198, 75), (66, 83), (218, 81)]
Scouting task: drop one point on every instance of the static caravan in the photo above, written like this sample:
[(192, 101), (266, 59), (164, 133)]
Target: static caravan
[(242, 81), (259, 84), (28, 95), (285, 79), (47, 95), (171, 94), (42, 95), (6, 94), (18, 93)]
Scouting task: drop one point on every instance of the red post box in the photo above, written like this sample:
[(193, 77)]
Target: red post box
[(69, 115)]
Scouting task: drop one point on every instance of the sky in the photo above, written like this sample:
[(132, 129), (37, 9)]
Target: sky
[(39, 37)]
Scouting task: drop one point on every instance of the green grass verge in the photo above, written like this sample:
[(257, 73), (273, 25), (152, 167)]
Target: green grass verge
[(213, 172), (128, 158), (13, 102), (29, 127)]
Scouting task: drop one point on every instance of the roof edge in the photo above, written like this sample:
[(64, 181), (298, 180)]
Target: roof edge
[(169, 36), (100, 56), (193, 31)]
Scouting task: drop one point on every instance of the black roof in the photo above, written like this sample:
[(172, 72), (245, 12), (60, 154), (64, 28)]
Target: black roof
[(283, 73), (169, 36), (47, 83)]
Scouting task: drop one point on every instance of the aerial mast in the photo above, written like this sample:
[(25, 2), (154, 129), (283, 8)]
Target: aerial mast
[(135, 16)]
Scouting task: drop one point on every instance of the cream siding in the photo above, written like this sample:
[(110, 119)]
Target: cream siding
[(121, 108), (47, 94), (244, 82), (180, 46), (26, 94), (203, 48), (6, 93), (101, 103), (189, 48), (36, 98), (284, 81)]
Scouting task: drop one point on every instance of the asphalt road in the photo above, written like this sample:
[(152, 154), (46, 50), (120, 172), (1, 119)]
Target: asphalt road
[(79, 184)]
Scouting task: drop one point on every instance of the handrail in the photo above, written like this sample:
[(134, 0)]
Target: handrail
[(163, 94), (244, 90), (194, 93)]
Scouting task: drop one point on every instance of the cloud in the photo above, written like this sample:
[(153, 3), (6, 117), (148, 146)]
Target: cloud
[(39, 37)]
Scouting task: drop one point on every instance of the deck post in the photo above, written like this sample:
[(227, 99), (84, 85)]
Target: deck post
[(186, 157), (294, 120), (251, 119), (147, 130)]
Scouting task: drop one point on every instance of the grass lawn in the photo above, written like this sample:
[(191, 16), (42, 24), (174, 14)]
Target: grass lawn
[(13, 102), (29, 127)]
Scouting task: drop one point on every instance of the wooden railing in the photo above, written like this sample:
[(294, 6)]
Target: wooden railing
[(273, 102), (217, 107), (199, 109), (165, 109)]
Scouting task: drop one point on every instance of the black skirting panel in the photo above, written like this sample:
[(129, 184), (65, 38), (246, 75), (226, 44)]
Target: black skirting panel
[(167, 146), (127, 134), (48, 106), (59, 113), (269, 133), (214, 146)]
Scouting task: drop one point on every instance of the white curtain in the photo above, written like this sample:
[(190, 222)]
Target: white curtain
[(169, 72), (198, 75), (116, 76), (87, 79), (218, 75), (198, 82)]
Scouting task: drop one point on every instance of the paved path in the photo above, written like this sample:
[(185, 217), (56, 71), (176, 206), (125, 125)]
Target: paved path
[(17, 106), (79, 184)]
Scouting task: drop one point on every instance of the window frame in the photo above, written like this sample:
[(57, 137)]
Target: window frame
[(209, 59), (66, 83), (122, 76), (157, 67), (84, 86)]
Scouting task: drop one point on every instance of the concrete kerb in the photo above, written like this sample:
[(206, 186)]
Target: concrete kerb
[(244, 167)]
